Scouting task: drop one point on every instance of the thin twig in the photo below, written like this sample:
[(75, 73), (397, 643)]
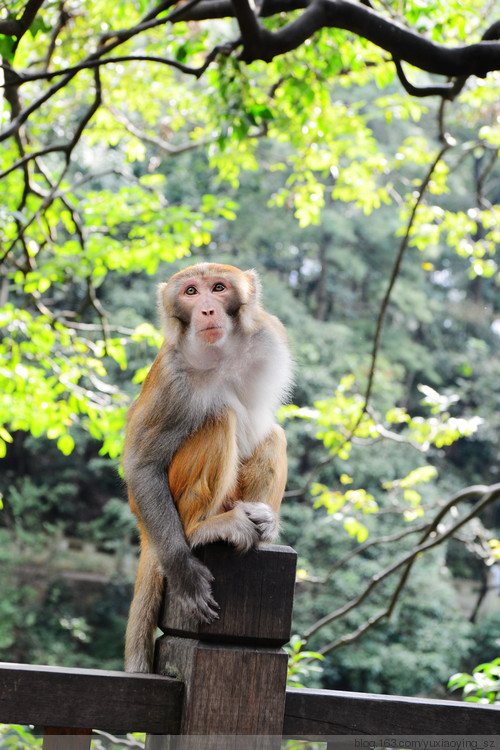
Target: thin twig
[(91, 64), (388, 539), (379, 323), (158, 142), (487, 495), (68, 150)]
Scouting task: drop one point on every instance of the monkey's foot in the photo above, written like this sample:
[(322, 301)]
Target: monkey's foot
[(264, 519)]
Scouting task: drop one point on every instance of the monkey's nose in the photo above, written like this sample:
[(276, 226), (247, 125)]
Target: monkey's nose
[(207, 312)]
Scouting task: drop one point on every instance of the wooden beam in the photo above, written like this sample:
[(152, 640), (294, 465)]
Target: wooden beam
[(89, 699), (311, 713)]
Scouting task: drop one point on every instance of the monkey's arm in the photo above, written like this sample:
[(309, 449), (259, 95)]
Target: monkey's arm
[(188, 579), (153, 433)]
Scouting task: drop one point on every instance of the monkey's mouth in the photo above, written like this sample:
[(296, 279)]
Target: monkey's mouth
[(210, 328), (211, 334)]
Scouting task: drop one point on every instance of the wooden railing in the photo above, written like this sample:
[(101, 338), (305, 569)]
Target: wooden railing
[(225, 681)]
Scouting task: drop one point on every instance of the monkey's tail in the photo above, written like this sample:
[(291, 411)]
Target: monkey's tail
[(143, 616)]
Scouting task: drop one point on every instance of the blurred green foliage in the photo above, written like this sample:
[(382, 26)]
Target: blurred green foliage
[(482, 686)]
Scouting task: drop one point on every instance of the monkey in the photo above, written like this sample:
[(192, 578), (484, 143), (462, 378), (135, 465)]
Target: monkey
[(204, 459)]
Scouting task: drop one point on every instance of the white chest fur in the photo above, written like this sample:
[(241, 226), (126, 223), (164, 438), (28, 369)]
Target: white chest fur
[(252, 379)]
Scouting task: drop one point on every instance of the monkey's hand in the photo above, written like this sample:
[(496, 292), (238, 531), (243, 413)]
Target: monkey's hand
[(264, 519), (193, 590)]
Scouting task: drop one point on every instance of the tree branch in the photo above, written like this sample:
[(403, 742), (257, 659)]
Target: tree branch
[(487, 496), (250, 29), (68, 150), (19, 27), (260, 43), (402, 43), (446, 91), (158, 142), (395, 273), (380, 319), (92, 63), (366, 545)]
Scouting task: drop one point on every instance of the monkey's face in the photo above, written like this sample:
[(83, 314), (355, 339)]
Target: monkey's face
[(205, 306), (207, 303)]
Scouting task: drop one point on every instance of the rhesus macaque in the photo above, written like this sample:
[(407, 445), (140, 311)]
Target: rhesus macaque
[(203, 459)]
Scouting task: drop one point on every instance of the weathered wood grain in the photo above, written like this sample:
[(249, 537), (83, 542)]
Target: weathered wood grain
[(229, 690), (58, 738), (254, 592), (233, 669), (89, 699), (330, 712)]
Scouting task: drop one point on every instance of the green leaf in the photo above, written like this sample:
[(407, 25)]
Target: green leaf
[(66, 444), (7, 45), (422, 474), (412, 496), (356, 529)]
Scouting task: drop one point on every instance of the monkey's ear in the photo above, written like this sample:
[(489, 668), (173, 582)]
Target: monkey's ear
[(162, 299), (254, 286), (172, 326), (251, 313)]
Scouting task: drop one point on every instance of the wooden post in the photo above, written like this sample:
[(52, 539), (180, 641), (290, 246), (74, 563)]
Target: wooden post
[(59, 738), (234, 669)]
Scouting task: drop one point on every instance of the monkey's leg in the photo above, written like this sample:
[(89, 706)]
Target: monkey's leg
[(203, 476), (262, 481), (204, 470), (262, 477), (143, 616)]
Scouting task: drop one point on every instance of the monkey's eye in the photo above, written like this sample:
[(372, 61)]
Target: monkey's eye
[(219, 287), (190, 290)]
